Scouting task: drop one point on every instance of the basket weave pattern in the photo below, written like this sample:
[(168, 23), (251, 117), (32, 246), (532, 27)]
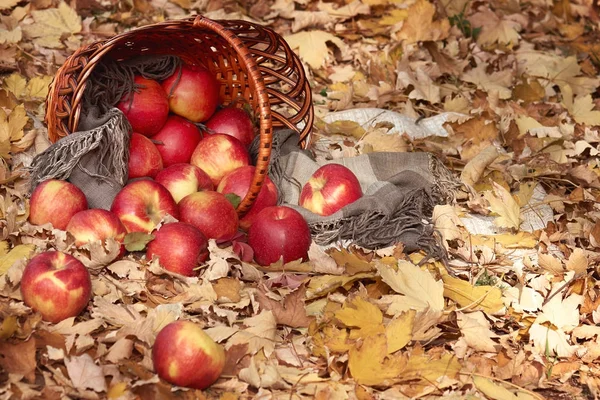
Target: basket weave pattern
[(251, 62)]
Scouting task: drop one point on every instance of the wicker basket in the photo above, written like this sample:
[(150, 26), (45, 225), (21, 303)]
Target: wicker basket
[(250, 61)]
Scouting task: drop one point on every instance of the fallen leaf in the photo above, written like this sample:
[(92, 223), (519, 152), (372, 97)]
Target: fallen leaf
[(494, 29), (499, 82), (476, 332), (583, 111), (19, 252), (371, 365), (504, 206), (85, 374), (485, 298), (421, 25), (359, 313), (421, 291), (312, 46), (19, 358), (227, 290), (290, 312), (399, 330)]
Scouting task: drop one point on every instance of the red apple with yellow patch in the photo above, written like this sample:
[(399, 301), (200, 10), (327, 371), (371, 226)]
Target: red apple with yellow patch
[(210, 212), (238, 182), (219, 154), (142, 204), (56, 285), (180, 248), (184, 355), (55, 201), (329, 189), (183, 179), (96, 225)]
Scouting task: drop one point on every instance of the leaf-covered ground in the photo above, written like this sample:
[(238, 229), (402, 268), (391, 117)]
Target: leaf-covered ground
[(518, 321)]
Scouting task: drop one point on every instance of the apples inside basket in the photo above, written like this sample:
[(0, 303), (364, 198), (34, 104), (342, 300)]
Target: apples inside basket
[(255, 70)]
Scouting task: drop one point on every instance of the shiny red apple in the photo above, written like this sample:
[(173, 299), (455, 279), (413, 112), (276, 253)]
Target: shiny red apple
[(142, 204), (177, 140), (56, 285), (55, 201), (218, 155), (193, 93), (144, 157), (184, 355), (238, 182), (232, 121), (96, 225), (279, 232), (183, 179), (180, 248), (329, 189), (210, 212), (147, 107)]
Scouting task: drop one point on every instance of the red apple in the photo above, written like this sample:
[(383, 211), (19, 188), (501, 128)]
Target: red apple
[(184, 355), (183, 179), (147, 107), (232, 121), (330, 188), (142, 204), (180, 247), (193, 93), (56, 285), (238, 182), (219, 154), (96, 225), (177, 140), (144, 157), (278, 232), (210, 212), (55, 201)]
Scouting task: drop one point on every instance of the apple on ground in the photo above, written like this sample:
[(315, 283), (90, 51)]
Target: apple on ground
[(193, 93), (279, 232), (56, 285), (142, 204), (147, 107), (180, 248), (184, 355), (219, 154), (210, 212), (238, 182), (55, 201), (183, 179), (330, 188), (144, 157), (177, 140), (96, 225), (232, 121)]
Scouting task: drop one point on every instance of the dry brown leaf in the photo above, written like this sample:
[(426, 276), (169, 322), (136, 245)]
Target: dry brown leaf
[(504, 206), (291, 311), (19, 358), (421, 25), (312, 46), (85, 374)]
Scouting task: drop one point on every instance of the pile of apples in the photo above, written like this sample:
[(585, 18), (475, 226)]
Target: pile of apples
[(194, 176)]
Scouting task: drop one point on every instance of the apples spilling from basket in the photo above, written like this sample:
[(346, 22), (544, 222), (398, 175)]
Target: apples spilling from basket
[(196, 176)]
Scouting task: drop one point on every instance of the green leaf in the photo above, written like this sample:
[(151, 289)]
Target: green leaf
[(234, 199), (137, 241)]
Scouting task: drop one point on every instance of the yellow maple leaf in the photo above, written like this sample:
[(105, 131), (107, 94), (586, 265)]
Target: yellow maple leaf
[(312, 46), (583, 111), (12, 36), (426, 369), (520, 240), (499, 81), (399, 331), (485, 298), (421, 26), (505, 206), (393, 17), (51, 24), (15, 83), (420, 289), (17, 253), (494, 29), (37, 87), (11, 128), (359, 313), (370, 364)]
